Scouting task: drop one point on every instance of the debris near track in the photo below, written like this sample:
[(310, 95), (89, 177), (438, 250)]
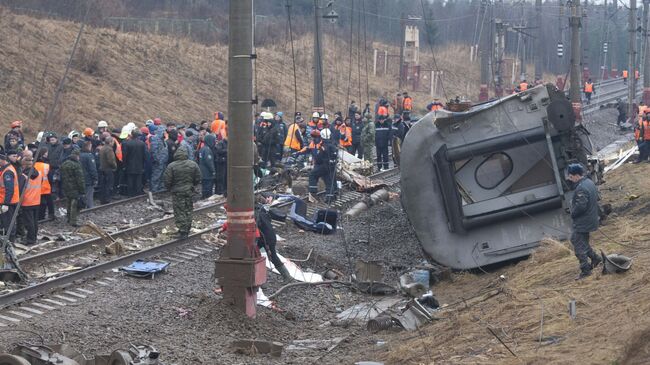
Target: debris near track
[(528, 320)]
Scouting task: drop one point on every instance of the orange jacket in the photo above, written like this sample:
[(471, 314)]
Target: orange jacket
[(407, 104), (642, 132), (291, 141), (625, 74), (118, 149), (589, 87), (346, 135), (216, 126), (32, 192), (523, 86), (43, 170), (382, 110), (16, 195)]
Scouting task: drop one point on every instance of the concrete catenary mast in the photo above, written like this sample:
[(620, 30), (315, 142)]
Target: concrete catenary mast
[(646, 58), (574, 91), (631, 60), (240, 269)]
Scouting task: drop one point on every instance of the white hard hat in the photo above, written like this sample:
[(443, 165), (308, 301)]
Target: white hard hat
[(325, 134), (73, 133), (39, 137), (315, 115), (325, 116), (102, 124), (266, 115)]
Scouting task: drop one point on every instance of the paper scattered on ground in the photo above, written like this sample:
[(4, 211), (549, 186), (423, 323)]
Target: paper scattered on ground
[(294, 270)]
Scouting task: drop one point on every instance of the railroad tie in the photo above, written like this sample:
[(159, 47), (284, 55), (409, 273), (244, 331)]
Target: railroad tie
[(67, 299), (9, 319), (31, 310), (55, 302), (20, 314), (43, 306)]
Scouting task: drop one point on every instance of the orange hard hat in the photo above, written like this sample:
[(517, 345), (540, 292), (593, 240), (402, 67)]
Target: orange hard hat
[(16, 123), (88, 132)]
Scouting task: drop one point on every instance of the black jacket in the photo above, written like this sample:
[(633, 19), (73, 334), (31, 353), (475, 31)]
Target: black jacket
[(383, 132), (54, 153), (584, 206), (89, 166), (133, 154), (357, 127)]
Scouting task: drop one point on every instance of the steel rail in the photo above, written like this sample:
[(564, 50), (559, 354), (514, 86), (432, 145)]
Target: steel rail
[(91, 271)]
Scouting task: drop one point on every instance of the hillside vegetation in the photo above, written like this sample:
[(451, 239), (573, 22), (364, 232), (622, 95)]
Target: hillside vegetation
[(122, 77)]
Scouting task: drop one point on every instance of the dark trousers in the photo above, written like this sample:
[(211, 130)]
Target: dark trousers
[(29, 219), (644, 150), (106, 181), (356, 149), (207, 186), (73, 210), (6, 221), (47, 204), (220, 179), (382, 157), (268, 155), (327, 173), (588, 96), (583, 251), (134, 184)]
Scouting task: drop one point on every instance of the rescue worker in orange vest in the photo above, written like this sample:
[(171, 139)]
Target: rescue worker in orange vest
[(218, 124), (382, 111), (407, 103), (642, 136), (32, 183), (345, 133), (624, 76), (435, 105), (43, 168), (589, 89), (523, 86), (312, 124), (9, 192), (294, 142)]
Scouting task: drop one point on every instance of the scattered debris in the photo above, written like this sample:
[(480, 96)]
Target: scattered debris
[(381, 323), (145, 269), (375, 198), (66, 355), (415, 283), (364, 311), (183, 312), (254, 347), (321, 345), (294, 270), (572, 309), (376, 288), (368, 271)]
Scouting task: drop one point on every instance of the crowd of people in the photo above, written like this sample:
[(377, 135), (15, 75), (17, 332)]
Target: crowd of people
[(105, 163)]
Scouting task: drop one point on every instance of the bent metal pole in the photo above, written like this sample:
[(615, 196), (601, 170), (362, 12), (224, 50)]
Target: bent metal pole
[(240, 269)]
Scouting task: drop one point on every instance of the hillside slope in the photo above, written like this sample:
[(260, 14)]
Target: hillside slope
[(122, 77)]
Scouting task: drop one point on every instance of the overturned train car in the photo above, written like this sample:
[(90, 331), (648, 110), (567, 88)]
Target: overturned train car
[(487, 185)]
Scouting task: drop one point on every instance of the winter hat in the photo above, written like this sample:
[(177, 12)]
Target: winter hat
[(575, 169), (67, 140)]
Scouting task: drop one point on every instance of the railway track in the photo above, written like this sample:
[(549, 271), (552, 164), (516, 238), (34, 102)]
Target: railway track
[(61, 256)]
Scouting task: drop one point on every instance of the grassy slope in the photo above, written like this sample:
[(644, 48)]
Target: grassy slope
[(141, 76)]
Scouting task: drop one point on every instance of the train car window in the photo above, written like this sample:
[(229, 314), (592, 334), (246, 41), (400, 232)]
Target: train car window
[(491, 172)]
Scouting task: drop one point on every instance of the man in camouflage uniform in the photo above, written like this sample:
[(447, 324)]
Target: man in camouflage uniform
[(180, 177), (72, 185), (368, 138)]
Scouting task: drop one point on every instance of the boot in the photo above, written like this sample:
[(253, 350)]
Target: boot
[(582, 275), (595, 261), (286, 277)]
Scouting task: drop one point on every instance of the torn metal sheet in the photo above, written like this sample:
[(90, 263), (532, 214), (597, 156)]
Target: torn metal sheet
[(294, 270), (362, 312), (321, 345)]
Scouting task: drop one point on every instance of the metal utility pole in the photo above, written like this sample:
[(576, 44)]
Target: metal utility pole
[(402, 38), (240, 270), (499, 47), (484, 49), (585, 43), (646, 58), (631, 61), (574, 90), (319, 95), (537, 49)]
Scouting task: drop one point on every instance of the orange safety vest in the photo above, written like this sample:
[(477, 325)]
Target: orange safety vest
[(312, 146), (16, 197), (347, 133), (382, 110), (408, 103), (216, 126), (43, 170), (643, 130), (291, 141), (523, 86), (118, 150), (625, 74), (224, 131), (589, 87), (32, 193)]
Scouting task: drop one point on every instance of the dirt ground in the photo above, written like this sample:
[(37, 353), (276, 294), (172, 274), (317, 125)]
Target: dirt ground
[(530, 315)]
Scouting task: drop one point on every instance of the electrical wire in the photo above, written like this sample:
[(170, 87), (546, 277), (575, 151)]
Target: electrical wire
[(430, 41), (293, 58)]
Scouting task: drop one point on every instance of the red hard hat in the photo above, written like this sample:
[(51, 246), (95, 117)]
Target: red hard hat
[(157, 121), (144, 130), (16, 123)]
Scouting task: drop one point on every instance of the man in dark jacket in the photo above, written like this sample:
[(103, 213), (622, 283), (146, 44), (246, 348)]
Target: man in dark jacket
[(54, 153), (383, 138), (133, 152), (89, 166), (206, 164), (73, 185), (107, 167), (172, 144), (325, 167), (585, 216), (357, 127), (180, 177), (220, 154), (159, 158)]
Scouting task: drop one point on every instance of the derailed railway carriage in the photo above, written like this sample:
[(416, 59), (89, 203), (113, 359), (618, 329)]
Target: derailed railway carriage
[(486, 185)]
